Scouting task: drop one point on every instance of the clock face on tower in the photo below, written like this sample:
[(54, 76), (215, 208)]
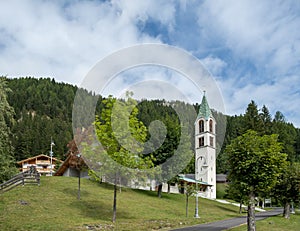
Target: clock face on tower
[(202, 164)]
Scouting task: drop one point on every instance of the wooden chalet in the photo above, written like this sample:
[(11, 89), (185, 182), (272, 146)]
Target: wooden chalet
[(72, 166), (42, 163)]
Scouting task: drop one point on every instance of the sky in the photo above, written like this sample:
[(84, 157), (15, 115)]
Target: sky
[(251, 48)]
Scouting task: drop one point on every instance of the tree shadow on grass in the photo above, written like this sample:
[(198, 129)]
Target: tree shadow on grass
[(236, 211), (153, 194), (98, 210), (74, 192)]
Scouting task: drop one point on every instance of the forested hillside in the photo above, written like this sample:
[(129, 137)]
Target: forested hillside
[(43, 109)]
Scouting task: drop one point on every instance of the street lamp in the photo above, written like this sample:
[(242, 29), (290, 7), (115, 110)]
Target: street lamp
[(197, 171), (196, 208)]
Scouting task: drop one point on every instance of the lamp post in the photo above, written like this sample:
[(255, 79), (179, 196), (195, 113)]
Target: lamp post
[(51, 155), (196, 204), (292, 208), (196, 208)]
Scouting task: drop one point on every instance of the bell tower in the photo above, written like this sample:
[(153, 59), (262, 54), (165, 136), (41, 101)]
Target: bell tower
[(205, 148)]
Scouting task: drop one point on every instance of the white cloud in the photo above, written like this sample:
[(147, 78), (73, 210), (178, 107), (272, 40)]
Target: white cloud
[(251, 47), (48, 40), (282, 95), (266, 32), (214, 65)]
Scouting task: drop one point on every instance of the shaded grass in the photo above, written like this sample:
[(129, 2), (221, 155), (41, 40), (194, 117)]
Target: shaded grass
[(54, 206)]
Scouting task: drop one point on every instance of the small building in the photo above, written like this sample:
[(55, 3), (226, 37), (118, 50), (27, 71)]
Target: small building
[(71, 167), (45, 165), (221, 178)]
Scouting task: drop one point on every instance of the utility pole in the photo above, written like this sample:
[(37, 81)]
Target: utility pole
[(79, 173), (51, 155)]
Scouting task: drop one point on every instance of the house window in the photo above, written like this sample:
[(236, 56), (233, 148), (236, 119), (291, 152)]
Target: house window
[(201, 141), (211, 141), (211, 126), (201, 126)]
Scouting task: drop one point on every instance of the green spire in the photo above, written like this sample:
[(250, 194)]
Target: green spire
[(204, 110)]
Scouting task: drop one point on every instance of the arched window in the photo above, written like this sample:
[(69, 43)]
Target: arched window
[(211, 141), (201, 126), (211, 125), (201, 141)]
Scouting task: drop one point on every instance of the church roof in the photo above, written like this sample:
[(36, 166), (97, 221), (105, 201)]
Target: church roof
[(193, 181), (204, 110)]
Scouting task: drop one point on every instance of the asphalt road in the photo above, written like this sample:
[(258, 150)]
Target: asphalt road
[(230, 223)]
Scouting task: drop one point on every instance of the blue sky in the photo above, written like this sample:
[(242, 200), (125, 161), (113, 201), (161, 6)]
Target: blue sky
[(252, 48)]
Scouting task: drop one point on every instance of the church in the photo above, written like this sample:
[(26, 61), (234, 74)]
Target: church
[(205, 149)]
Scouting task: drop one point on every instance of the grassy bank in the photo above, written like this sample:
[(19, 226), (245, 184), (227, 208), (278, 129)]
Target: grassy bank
[(277, 223), (54, 206)]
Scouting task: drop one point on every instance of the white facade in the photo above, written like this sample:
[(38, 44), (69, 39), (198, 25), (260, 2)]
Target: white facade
[(205, 149)]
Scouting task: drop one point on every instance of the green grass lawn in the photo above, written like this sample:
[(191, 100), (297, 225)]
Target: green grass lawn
[(277, 223), (54, 206)]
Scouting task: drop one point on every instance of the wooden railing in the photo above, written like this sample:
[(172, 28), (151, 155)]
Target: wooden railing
[(30, 176)]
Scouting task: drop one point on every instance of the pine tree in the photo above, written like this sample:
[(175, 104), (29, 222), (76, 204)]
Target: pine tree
[(252, 120), (7, 162), (266, 119)]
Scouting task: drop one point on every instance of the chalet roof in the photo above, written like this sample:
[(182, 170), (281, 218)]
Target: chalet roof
[(37, 157), (70, 161), (204, 110)]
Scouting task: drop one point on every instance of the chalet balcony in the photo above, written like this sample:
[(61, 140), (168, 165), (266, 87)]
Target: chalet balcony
[(43, 162)]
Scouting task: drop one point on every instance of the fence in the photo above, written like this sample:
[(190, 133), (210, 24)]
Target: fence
[(30, 176)]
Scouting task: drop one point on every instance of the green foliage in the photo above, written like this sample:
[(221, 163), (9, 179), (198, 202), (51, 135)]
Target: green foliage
[(7, 166), (252, 119), (287, 136), (122, 137), (255, 161), (121, 134), (43, 110), (177, 140), (260, 120), (287, 188)]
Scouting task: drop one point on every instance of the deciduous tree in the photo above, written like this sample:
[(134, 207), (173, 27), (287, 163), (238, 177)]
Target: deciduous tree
[(287, 188), (255, 162), (120, 134)]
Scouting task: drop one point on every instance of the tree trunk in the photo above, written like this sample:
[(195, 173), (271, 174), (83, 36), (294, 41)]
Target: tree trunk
[(169, 188), (159, 190), (286, 210), (186, 205), (78, 195), (115, 201), (251, 213)]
